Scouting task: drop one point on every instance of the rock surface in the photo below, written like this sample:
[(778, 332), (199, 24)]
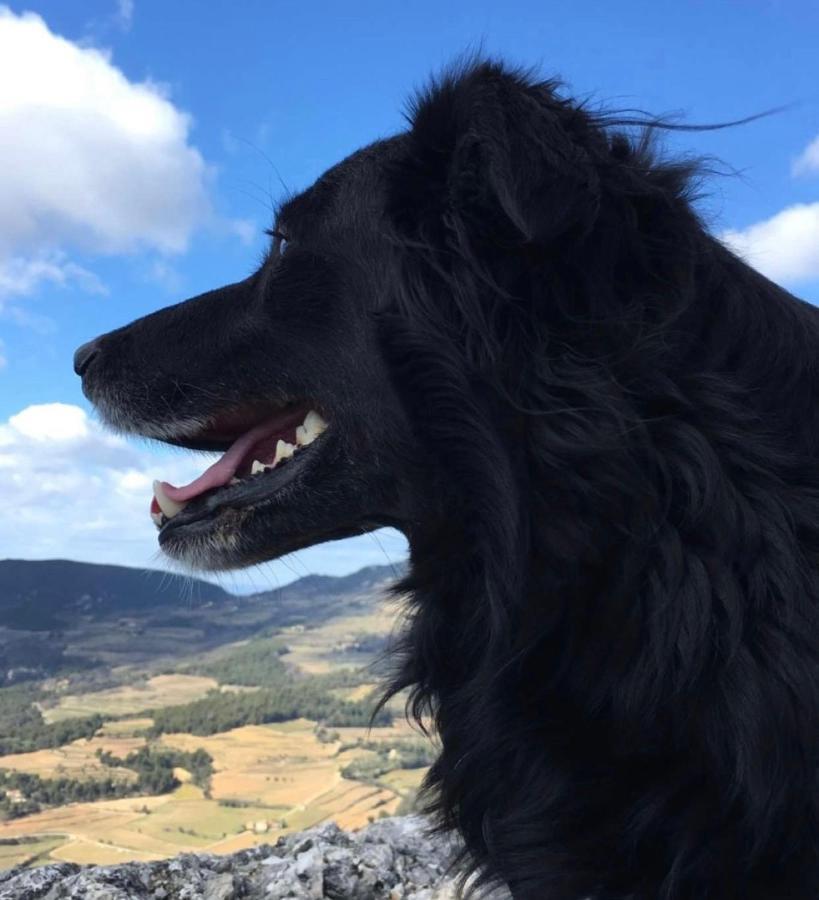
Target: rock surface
[(392, 859)]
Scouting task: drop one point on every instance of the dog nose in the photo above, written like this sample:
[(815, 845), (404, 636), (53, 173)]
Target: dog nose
[(84, 356)]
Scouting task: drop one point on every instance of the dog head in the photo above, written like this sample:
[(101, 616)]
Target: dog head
[(361, 375), (281, 374)]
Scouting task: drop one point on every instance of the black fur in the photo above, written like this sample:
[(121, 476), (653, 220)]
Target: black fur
[(599, 430)]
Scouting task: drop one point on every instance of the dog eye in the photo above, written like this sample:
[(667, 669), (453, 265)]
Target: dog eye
[(280, 240)]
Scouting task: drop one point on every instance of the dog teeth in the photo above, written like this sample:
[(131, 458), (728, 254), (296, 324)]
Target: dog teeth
[(312, 427), (169, 507), (284, 450), (157, 519), (306, 433)]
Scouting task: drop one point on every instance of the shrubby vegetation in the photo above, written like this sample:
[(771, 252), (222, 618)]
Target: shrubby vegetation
[(155, 765), (22, 727), (222, 710), (282, 695), (100, 678), (411, 803), (325, 735), (389, 755), (256, 664), (37, 792), (347, 678), (17, 708), (259, 663)]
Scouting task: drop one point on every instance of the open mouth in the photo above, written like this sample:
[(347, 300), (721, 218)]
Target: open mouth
[(258, 453)]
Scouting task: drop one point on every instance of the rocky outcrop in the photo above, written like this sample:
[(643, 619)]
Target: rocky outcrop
[(392, 859)]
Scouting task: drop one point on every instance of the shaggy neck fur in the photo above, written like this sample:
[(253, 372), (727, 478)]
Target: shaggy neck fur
[(613, 585)]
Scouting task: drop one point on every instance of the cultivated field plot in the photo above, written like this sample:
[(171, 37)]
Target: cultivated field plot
[(286, 768), (126, 727), (161, 690), (26, 851), (86, 824), (403, 780), (334, 644), (75, 760), (268, 780)]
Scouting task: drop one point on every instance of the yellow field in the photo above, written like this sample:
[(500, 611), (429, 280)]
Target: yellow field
[(126, 727), (357, 692), (269, 780), (28, 851), (400, 729), (75, 760), (321, 649), (403, 780), (161, 690)]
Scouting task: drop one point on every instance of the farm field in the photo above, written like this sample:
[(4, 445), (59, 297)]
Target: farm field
[(160, 690), (268, 780), (27, 851), (75, 760), (333, 644), (126, 727)]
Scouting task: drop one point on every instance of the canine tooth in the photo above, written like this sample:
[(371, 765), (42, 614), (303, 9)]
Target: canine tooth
[(168, 506), (311, 429), (257, 467), (314, 422), (284, 450), (235, 480), (157, 519)]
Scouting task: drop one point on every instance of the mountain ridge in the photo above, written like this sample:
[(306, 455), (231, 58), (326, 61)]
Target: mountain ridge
[(55, 613)]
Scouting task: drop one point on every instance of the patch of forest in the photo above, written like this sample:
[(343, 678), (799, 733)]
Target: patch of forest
[(23, 729), (23, 793)]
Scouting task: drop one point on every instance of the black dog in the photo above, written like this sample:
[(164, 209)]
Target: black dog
[(599, 430)]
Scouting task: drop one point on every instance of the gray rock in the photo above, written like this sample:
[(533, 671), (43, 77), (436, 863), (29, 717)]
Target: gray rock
[(220, 887), (392, 859)]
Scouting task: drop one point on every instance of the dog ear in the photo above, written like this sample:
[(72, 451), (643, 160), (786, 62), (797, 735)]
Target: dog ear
[(499, 156)]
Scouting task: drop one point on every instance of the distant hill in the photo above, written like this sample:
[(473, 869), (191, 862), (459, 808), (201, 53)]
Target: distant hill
[(40, 595), (59, 615)]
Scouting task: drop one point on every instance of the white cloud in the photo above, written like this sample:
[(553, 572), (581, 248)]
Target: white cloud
[(21, 275), (59, 422), (807, 163), (72, 489), (784, 247), (88, 158)]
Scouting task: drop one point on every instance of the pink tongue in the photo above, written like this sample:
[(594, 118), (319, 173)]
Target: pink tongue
[(220, 473)]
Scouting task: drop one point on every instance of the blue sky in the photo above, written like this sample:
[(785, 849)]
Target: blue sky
[(232, 99)]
